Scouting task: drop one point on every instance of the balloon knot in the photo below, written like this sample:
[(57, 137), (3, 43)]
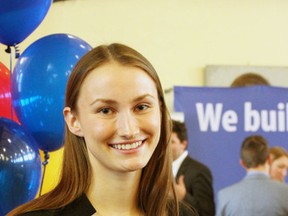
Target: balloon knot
[(8, 49), (17, 50), (46, 158)]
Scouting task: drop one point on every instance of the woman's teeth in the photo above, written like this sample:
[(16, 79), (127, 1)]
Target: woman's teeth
[(127, 146)]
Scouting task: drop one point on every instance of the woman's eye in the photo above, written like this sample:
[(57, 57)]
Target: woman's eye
[(105, 111), (142, 107)]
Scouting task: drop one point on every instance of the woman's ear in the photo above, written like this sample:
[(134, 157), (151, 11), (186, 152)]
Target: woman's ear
[(72, 122)]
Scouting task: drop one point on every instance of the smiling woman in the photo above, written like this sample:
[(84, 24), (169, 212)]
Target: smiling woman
[(116, 155)]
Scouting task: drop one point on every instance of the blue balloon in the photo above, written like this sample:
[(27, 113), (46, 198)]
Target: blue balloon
[(20, 166), (18, 19), (38, 86)]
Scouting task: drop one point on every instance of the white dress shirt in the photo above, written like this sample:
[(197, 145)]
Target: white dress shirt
[(177, 163)]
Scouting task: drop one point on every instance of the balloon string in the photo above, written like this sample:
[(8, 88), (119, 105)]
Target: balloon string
[(44, 163), (17, 54), (8, 50)]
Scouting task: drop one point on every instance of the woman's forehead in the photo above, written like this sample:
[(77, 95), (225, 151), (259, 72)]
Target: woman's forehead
[(111, 79)]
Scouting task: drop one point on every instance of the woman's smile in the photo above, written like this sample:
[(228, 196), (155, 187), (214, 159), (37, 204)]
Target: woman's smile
[(128, 145)]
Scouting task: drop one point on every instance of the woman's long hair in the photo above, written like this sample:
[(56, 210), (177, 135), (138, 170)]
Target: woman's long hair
[(154, 197)]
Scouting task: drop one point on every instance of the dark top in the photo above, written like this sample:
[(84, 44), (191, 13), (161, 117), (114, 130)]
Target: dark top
[(199, 186), (82, 207)]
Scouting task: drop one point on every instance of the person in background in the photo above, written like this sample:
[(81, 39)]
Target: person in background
[(279, 163), (257, 194), (193, 179), (117, 160), (249, 79)]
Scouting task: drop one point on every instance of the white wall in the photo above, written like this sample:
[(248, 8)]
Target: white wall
[(180, 37)]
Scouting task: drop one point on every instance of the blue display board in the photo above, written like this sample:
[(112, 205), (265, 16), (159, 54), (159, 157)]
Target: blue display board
[(218, 119)]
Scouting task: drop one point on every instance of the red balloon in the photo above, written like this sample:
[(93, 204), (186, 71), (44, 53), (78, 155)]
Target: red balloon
[(6, 109)]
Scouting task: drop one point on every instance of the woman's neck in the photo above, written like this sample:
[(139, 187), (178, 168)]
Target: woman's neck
[(113, 193)]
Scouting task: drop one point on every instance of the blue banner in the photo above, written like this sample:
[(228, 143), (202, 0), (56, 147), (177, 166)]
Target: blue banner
[(218, 119)]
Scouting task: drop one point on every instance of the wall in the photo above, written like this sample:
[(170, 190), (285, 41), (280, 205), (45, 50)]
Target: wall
[(179, 37)]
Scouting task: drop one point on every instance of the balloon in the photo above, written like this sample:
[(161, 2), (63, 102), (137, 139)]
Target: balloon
[(38, 86), (20, 166), (18, 19), (6, 109), (5, 92)]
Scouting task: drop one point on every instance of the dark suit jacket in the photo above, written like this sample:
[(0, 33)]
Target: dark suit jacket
[(199, 186)]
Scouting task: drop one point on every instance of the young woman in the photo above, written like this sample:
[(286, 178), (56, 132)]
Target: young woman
[(279, 163), (116, 156)]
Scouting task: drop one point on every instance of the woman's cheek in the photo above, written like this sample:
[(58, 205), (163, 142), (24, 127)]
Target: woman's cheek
[(154, 124), (102, 130)]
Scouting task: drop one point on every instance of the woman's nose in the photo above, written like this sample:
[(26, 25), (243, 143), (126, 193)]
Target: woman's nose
[(127, 125)]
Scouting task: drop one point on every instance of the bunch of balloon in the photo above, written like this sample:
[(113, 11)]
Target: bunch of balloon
[(20, 166), (18, 19), (20, 163), (38, 87)]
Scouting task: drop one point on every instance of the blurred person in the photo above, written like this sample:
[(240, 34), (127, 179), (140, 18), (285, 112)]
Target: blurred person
[(249, 79), (279, 163), (257, 194), (193, 179), (117, 159)]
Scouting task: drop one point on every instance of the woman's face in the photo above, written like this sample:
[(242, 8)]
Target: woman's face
[(119, 117), (279, 168)]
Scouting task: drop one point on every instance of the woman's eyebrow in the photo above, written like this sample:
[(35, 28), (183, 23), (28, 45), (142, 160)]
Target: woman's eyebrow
[(141, 97), (103, 100), (110, 101)]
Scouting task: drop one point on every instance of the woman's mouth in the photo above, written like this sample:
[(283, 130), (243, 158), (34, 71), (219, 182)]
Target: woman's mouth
[(128, 146)]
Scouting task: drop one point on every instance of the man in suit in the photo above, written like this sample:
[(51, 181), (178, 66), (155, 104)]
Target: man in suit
[(256, 194), (193, 179)]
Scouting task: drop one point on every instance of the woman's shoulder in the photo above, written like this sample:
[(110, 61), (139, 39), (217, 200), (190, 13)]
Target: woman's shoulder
[(80, 206)]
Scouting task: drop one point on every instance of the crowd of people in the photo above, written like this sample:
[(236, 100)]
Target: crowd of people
[(264, 183), (124, 156)]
